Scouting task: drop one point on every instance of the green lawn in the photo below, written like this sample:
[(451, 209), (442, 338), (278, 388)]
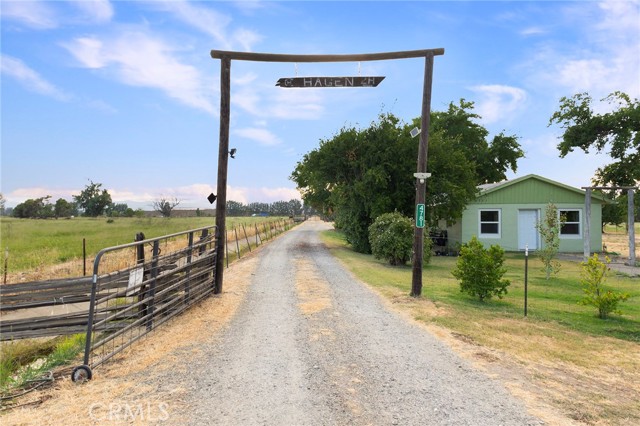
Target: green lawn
[(34, 243), (564, 356)]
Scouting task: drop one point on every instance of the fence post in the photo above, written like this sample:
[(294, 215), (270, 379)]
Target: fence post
[(187, 286), (226, 248), (84, 257), (246, 238), (152, 288), (6, 263), (235, 233), (257, 232), (526, 273)]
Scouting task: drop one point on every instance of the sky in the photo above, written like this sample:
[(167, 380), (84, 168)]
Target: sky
[(126, 94)]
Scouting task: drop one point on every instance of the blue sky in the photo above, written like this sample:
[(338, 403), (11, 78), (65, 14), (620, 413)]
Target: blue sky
[(126, 93)]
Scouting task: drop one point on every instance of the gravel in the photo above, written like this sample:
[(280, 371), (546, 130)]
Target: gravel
[(351, 361)]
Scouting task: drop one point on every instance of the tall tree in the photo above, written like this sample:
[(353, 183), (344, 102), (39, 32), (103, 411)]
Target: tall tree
[(617, 130), (491, 158), (63, 208), (235, 208), (92, 200), (360, 174), (165, 206), (38, 208)]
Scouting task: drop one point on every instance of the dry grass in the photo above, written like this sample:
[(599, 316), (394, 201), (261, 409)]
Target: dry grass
[(617, 241)]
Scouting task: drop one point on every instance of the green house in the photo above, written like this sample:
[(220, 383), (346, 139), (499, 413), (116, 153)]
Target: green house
[(506, 214)]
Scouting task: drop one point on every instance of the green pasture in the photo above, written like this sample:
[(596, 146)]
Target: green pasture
[(554, 301), (33, 243)]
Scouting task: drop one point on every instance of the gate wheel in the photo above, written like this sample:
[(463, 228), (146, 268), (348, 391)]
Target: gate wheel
[(81, 374)]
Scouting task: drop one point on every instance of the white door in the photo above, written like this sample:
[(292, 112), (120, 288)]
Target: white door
[(527, 232)]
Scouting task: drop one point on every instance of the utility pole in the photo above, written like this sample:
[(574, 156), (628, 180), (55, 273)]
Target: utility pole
[(421, 185)]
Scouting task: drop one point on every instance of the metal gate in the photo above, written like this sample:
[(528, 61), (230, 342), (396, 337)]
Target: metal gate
[(138, 286)]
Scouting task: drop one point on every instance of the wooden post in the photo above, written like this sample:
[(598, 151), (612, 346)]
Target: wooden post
[(423, 147), (235, 233), (586, 232), (632, 230), (246, 238), (223, 159)]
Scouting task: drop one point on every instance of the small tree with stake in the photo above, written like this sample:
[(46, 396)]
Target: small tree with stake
[(480, 271), (593, 275), (549, 229)]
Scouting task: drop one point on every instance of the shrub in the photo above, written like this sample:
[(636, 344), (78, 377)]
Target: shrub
[(593, 275), (391, 237), (480, 271)]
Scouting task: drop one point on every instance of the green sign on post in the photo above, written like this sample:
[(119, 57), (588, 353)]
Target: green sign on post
[(420, 215)]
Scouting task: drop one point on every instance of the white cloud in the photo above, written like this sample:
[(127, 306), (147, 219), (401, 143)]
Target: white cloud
[(608, 58), (96, 11), (140, 59), (246, 38), (210, 22), (529, 31), (29, 78), (20, 195), (262, 136), (498, 102), (35, 14)]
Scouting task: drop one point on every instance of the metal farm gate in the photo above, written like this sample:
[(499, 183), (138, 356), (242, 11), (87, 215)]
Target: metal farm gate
[(152, 281)]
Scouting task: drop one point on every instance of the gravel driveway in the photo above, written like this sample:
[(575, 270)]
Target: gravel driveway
[(310, 345)]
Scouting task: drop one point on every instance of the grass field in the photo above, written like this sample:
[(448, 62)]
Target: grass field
[(586, 367), (34, 244)]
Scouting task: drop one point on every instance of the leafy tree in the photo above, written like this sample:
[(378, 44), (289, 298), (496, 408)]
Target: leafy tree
[(295, 207), (235, 208), (614, 212), (258, 208), (480, 271), (92, 201), (593, 276), (2, 204), (279, 208), (165, 206), (360, 174), (618, 130), (491, 159), (63, 208), (119, 210), (38, 208), (549, 229)]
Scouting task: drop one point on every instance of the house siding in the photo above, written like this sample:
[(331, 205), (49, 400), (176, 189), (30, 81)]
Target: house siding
[(530, 194)]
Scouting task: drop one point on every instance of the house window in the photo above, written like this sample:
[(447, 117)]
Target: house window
[(572, 225), (490, 223)]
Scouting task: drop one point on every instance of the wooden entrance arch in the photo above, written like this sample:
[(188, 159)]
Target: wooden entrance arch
[(225, 109)]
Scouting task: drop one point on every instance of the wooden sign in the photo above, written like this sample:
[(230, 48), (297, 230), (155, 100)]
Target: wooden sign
[(329, 82)]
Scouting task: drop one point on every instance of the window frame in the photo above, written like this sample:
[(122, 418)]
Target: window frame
[(481, 234), (577, 235)]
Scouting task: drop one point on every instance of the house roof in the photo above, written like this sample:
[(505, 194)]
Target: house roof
[(492, 187)]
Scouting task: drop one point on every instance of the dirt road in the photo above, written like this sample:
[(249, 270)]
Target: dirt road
[(293, 340), (310, 346)]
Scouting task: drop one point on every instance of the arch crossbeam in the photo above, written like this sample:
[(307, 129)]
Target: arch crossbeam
[(359, 57)]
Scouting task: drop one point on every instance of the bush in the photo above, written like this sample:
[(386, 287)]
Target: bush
[(593, 275), (480, 271), (391, 237)]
